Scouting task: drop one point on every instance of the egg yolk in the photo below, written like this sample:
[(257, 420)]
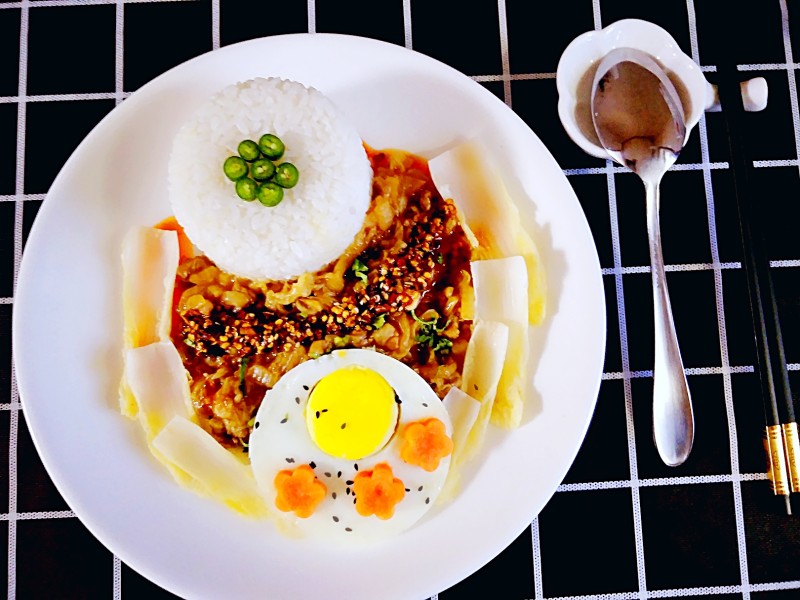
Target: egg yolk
[(351, 413)]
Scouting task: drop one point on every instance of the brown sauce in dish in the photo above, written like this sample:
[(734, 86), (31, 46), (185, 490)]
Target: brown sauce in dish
[(398, 288)]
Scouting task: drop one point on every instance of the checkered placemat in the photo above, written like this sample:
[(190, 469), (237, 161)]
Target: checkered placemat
[(621, 525)]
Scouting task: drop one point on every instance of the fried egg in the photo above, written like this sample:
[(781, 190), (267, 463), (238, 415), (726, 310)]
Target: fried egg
[(352, 446)]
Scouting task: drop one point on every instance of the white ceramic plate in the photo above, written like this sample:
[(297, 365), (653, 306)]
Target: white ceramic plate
[(68, 321)]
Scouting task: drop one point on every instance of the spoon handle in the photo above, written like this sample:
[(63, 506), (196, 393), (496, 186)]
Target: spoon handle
[(673, 419)]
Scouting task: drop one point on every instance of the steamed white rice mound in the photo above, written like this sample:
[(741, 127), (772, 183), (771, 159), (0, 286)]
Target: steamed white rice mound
[(316, 220)]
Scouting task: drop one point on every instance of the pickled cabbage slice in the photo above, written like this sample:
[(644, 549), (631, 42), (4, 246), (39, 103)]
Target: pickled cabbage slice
[(501, 289), (467, 175), (483, 368), (200, 463), (463, 410), (149, 261), (158, 384)]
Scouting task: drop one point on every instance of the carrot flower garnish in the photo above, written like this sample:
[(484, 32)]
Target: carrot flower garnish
[(299, 491), (424, 443), (377, 491)]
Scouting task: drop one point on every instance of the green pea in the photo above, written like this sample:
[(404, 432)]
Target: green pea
[(248, 150), (286, 175), (234, 168), (246, 189), (262, 169), (269, 194), (271, 146)]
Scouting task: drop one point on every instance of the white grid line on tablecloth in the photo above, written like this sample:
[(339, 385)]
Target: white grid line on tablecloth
[(760, 164), (215, 24), (597, 18), (36, 516), (651, 482), (629, 424), (736, 486), (625, 171), (64, 97), (21, 197), (683, 267), (787, 47), (536, 552), (408, 36), (515, 77), (19, 175), (118, 51), (770, 66), (62, 3), (775, 264), (684, 592), (117, 579), (311, 8), (119, 90), (647, 373), (502, 20)]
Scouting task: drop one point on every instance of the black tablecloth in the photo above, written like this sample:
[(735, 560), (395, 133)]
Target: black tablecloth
[(621, 525)]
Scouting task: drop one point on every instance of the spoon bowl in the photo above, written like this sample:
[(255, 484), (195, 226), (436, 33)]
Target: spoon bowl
[(639, 120)]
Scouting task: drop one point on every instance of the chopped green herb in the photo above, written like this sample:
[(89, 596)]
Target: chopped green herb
[(341, 342), (251, 422), (440, 259), (189, 342), (379, 322), (430, 335), (242, 373), (360, 270)]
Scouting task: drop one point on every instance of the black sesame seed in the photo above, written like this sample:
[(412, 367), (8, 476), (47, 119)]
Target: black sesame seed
[(297, 399), (397, 398), (349, 482), (354, 500), (312, 464), (419, 489), (305, 387), (344, 425), (318, 414), (347, 529), (257, 424), (347, 491), (283, 420), (333, 495), (355, 466), (324, 410), (427, 500), (289, 460), (339, 474), (408, 490), (327, 474), (335, 519), (425, 404)]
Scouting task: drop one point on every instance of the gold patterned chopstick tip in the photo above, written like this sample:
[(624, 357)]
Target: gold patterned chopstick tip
[(791, 445), (777, 471)]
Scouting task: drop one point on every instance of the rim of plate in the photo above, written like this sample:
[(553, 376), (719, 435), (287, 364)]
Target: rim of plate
[(108, 513)]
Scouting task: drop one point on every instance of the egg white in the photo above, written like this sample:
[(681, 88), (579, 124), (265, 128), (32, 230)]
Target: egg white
[(280, 440)]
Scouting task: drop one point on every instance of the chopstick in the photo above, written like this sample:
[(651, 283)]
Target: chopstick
[(781, 437)]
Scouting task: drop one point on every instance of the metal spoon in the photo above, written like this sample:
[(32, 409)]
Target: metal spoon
[(639, 119)]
